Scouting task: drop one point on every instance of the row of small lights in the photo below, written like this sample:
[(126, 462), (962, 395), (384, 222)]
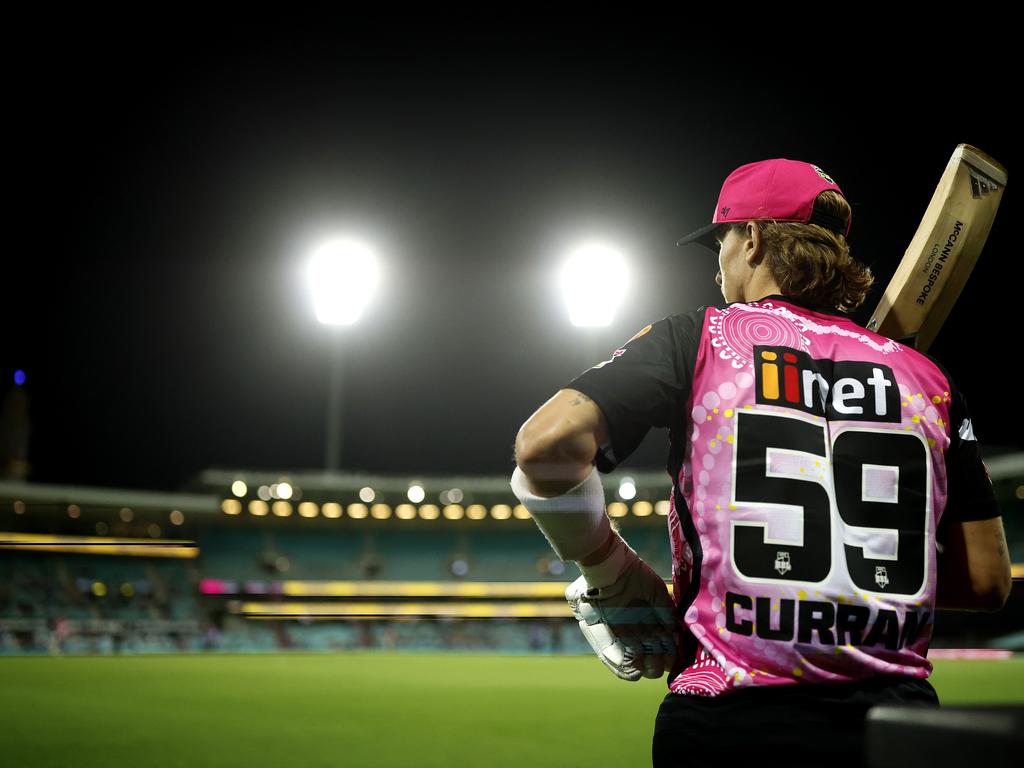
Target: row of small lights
[(285, 491), (176, 516), (358, 511)]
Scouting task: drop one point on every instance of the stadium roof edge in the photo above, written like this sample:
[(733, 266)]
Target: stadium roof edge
[(111, 497)]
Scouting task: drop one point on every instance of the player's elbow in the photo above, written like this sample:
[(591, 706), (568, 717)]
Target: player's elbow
[(540, 444), (974, 570), (991, 600), (545, 456), (553, 462), (994, 585), (987, 595), (998, 593), (556, 446)]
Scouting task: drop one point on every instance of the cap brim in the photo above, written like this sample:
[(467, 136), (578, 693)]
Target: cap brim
[(704, 236)]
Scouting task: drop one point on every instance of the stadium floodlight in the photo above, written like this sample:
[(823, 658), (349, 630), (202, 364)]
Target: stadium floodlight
[(343, 276), (594, 282)]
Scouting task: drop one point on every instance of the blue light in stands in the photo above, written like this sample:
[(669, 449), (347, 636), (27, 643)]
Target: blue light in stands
[(556, 567), (19, 377)]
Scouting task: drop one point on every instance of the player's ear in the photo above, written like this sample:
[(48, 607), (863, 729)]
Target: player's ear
[(752, 244)]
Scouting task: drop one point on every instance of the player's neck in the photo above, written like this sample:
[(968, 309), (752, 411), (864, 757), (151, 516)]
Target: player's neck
[(761, 284)]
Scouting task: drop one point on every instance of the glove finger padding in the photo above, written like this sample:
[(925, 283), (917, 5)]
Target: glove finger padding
[(630, 623), (613, 651), (657, 644)]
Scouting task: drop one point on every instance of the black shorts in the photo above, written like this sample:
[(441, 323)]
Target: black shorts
[(789, 726)]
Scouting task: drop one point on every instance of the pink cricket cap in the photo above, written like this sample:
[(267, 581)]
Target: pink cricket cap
[(778, 189)]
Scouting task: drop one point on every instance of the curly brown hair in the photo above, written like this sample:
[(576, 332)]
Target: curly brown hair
[(813, 264)]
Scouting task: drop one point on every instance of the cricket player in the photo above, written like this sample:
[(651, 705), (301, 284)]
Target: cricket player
[(827, 494)]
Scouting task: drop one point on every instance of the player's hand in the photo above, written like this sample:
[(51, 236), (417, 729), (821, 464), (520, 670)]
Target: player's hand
[(630, 622)]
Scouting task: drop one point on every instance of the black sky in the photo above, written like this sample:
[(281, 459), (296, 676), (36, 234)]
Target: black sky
[(166, 191)]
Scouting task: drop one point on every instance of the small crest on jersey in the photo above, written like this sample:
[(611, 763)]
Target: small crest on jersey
[(881, 577), (967, 431), (782, 564), (615, 354)]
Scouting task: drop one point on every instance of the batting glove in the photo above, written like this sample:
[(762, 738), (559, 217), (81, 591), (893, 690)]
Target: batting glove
[(626, 614)]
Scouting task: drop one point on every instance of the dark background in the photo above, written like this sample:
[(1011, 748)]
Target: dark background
[(169, 183)]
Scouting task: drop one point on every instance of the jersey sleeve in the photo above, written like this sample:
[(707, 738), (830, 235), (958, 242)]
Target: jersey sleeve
[(969, 492), (644, 384), (970, 495)]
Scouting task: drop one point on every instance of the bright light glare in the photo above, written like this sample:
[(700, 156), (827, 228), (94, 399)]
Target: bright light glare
[(594, 282), (342, 275)]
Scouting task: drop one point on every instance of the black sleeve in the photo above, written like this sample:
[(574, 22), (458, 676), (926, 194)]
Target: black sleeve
[(970, 495), (969, 491), (645, 383)]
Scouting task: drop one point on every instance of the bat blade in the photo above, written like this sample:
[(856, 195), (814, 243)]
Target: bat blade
[(943, 251)]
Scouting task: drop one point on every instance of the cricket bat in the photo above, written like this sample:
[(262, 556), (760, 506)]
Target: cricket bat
[(943, 251)]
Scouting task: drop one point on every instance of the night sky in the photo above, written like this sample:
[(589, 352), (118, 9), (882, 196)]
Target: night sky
[(168, 191)]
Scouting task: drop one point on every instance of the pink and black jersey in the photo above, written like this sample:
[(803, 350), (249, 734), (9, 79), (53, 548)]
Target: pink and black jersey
[(812, 465)]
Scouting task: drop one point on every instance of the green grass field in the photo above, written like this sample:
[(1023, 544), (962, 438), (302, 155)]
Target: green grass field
[(355, 709)]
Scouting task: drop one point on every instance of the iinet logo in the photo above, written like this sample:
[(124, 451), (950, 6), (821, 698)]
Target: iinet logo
[(842, 389)]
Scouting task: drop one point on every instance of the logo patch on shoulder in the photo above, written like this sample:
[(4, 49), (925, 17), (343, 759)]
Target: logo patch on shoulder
[(640, 333)]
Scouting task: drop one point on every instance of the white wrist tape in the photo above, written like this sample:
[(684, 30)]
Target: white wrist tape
[(573, 522), (607, 572)]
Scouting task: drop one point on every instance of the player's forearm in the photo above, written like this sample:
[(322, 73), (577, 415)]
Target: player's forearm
[(973, 567)]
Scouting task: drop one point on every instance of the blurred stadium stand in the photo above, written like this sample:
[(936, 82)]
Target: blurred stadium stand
[(249, 561)]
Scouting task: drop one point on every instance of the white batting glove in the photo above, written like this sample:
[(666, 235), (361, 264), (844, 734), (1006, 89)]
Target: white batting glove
[(626, 613)]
